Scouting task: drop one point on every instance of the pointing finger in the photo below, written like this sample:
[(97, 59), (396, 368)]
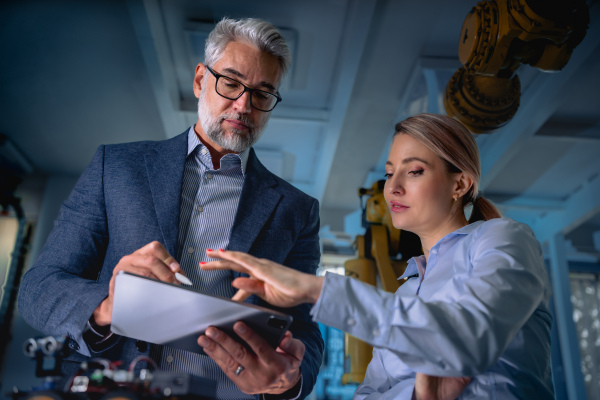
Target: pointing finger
[(241, 295)]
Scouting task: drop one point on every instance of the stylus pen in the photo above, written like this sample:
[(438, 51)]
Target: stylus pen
[(183, 279)]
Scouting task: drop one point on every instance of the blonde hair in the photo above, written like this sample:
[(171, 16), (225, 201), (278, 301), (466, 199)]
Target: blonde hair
[(454, 144)]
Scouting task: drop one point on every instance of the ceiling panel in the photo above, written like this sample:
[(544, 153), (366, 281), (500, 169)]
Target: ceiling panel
[(77, 74), (315, 27), (545, 168), (68, 84)]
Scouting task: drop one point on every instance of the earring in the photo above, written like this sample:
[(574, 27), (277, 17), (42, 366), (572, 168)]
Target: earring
[(455, 198)]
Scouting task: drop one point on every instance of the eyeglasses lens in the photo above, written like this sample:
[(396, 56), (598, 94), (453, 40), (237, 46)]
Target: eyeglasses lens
[(232, 90)]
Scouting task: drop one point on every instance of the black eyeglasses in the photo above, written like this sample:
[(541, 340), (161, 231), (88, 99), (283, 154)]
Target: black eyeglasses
[(233, 90)]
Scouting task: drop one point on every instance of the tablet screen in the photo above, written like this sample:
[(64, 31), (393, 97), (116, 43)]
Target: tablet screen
[(164, 313)]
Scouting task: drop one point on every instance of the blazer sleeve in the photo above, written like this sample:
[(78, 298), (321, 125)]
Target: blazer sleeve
[(59, 293)]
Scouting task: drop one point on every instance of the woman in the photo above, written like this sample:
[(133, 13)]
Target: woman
[(478, 308)]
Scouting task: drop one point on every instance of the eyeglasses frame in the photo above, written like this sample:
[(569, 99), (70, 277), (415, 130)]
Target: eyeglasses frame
[(246, 89)]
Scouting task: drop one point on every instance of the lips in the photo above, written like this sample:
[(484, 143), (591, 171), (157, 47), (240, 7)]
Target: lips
[(397, 207), (237, 124)]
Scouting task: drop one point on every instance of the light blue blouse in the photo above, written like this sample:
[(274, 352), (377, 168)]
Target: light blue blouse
[(479, 307)]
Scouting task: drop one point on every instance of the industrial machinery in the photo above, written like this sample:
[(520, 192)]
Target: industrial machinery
[(102, 379), (497, 37), (383, 252)]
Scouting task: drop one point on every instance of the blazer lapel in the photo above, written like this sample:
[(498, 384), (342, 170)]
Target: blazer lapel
[(257, 202), (164, 165)]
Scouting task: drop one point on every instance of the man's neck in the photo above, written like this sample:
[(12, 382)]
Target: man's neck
[(216, 151)]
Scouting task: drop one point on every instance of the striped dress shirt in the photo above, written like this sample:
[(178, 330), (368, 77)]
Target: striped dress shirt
[(209, 202)]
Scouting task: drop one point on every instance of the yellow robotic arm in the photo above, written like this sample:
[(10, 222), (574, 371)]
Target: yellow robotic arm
[(497, 37), (378, 250)]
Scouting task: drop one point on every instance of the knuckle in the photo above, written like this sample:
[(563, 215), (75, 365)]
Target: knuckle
[(262, 347), (145, 272), (231, 364), (154, 245), (240, 353)]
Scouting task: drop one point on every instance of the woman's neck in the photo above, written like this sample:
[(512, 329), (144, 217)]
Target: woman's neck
[(432, 236)]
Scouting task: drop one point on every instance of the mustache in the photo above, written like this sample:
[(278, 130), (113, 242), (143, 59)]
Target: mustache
[(239, 117)]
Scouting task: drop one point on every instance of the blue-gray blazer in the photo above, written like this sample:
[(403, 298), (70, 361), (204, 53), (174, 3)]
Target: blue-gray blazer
[(130, 195)]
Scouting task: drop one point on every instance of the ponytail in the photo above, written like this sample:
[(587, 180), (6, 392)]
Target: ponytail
[(483, 210)]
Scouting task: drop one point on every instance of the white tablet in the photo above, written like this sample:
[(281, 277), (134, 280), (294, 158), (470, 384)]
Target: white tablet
[(164, 313)]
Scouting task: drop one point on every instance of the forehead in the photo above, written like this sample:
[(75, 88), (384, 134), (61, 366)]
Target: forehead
[(405, 145), (251, 65)]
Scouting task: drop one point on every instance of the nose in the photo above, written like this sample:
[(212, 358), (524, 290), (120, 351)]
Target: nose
[(242, 103), (394, 185)]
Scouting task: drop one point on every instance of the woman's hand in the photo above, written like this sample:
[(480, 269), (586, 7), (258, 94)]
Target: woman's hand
[(274, 283)]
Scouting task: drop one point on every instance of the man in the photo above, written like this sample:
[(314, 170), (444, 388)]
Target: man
[(155, 208)]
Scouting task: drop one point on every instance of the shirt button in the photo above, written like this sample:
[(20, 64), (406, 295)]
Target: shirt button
[(375, 332), (209, 176), (204, 151), (434, 251), (190, 250), (200, 208), (73, 345), (351, 322), (170, 359)]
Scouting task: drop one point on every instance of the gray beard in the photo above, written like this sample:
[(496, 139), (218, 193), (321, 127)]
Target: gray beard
[(239, 140)]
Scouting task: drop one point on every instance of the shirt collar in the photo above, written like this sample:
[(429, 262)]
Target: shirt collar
[(194, 142), (418, 264), (411, 269), (415, 266), (465, 230)]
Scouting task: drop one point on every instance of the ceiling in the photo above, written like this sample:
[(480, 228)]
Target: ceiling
[(76, 74)]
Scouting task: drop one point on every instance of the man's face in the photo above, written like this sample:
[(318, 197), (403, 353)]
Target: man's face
[(234, 125)]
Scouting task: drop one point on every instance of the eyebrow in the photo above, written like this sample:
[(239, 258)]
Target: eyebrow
[(238, 74), (408, 160)]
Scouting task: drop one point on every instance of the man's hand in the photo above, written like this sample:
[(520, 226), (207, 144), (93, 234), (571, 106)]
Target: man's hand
[(429, 387), (268, 370), (152, 260)]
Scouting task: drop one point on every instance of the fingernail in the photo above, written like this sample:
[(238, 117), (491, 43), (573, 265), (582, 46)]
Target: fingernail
[(202, 262), (212, 333), (174, 266), (240, 328), (221, 250), (209, 249), (203, 341)]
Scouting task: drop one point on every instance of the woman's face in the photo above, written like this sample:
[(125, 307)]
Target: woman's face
[(419, 188)]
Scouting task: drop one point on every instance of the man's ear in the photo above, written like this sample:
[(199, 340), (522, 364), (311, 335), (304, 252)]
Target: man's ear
[(464, 182), (198, 78)]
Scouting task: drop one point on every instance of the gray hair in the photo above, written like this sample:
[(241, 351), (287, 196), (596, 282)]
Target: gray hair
[(255, 32)]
